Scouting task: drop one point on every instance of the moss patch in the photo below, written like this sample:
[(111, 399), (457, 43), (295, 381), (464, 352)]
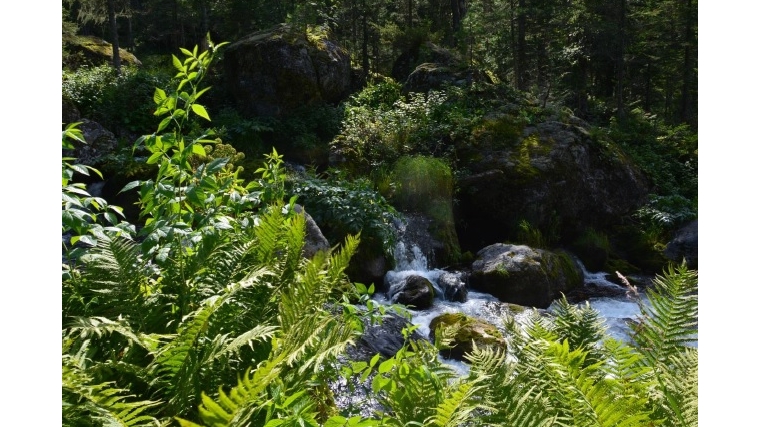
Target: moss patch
[(468, 330), (98, 49)]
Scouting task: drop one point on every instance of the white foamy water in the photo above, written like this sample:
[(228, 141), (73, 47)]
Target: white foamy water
[(617, 312)]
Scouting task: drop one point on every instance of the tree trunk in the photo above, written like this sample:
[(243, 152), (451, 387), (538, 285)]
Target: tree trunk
[(409, 6), (687, 68), (520, 63), (114, 35), (620, 61), (204, 25), (365, 40)]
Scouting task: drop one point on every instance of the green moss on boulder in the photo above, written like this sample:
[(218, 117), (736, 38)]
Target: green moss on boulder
[(468, 330)]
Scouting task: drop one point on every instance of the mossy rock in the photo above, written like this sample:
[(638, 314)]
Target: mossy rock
[(425, 185), (468, 331), (523, 275), (96, 50)]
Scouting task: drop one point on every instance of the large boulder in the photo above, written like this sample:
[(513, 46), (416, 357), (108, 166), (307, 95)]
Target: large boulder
[(553, 174), (453, 287), (684, 245), (386, 337), (314, 240), (274, 71), (522, 275), (420, 53), (100, 143), (468, 330), (433, 76), (95, 51), (413, 290)]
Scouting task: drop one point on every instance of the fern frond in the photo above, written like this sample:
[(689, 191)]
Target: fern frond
[(243, 401), (676, 400), (295, 236), (84, 402), (267, 236), (85, 332), (112, 281), (582, 326), (669, 325), (589, 398), (218, 260), (178, 363), (258, 333), (457, 407), (340, 259)]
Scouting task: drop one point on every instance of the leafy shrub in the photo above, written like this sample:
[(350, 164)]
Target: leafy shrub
[(666, 154), (371, 138), (119, 103), (662, 215), (341, 207)]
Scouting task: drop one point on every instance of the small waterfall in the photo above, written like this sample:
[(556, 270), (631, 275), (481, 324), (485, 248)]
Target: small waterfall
[(608, 298)]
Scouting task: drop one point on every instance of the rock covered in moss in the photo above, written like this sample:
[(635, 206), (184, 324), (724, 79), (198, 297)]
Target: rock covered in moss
[(314, 240), (468, 330), (96, 50), (553, 174), (523, 275), (274, 71)]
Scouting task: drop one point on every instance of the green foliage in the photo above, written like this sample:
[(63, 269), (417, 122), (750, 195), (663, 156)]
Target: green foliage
[(119, 102), (216, 319), (426, 185), (376, 136), (531, 236), (380, 95), (342, 207), (83, 215), (666, 154), (420, 181), (662, 215)]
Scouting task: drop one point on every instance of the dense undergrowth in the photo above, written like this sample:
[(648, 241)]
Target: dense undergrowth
[(208, 314)]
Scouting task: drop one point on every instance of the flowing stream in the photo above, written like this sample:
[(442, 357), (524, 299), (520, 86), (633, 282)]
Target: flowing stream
[(616, 311), (357, 396)]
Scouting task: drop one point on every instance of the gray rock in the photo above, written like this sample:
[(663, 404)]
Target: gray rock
[(315, 241), (454, 288), (552, 174), (274, 71), (100, 143), (415, 291), (684, 245), (522, 275)]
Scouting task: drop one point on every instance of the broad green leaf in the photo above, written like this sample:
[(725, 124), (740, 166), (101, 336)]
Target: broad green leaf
[(336, 421), (200, 92), (130, 186), (159, 96), (374, 360), (217, 164), (111, 217), (80, 168), (164, 123), (90, 240), (177, 63), (386, 366), (201, 111), (154, 158), (198, 149)]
